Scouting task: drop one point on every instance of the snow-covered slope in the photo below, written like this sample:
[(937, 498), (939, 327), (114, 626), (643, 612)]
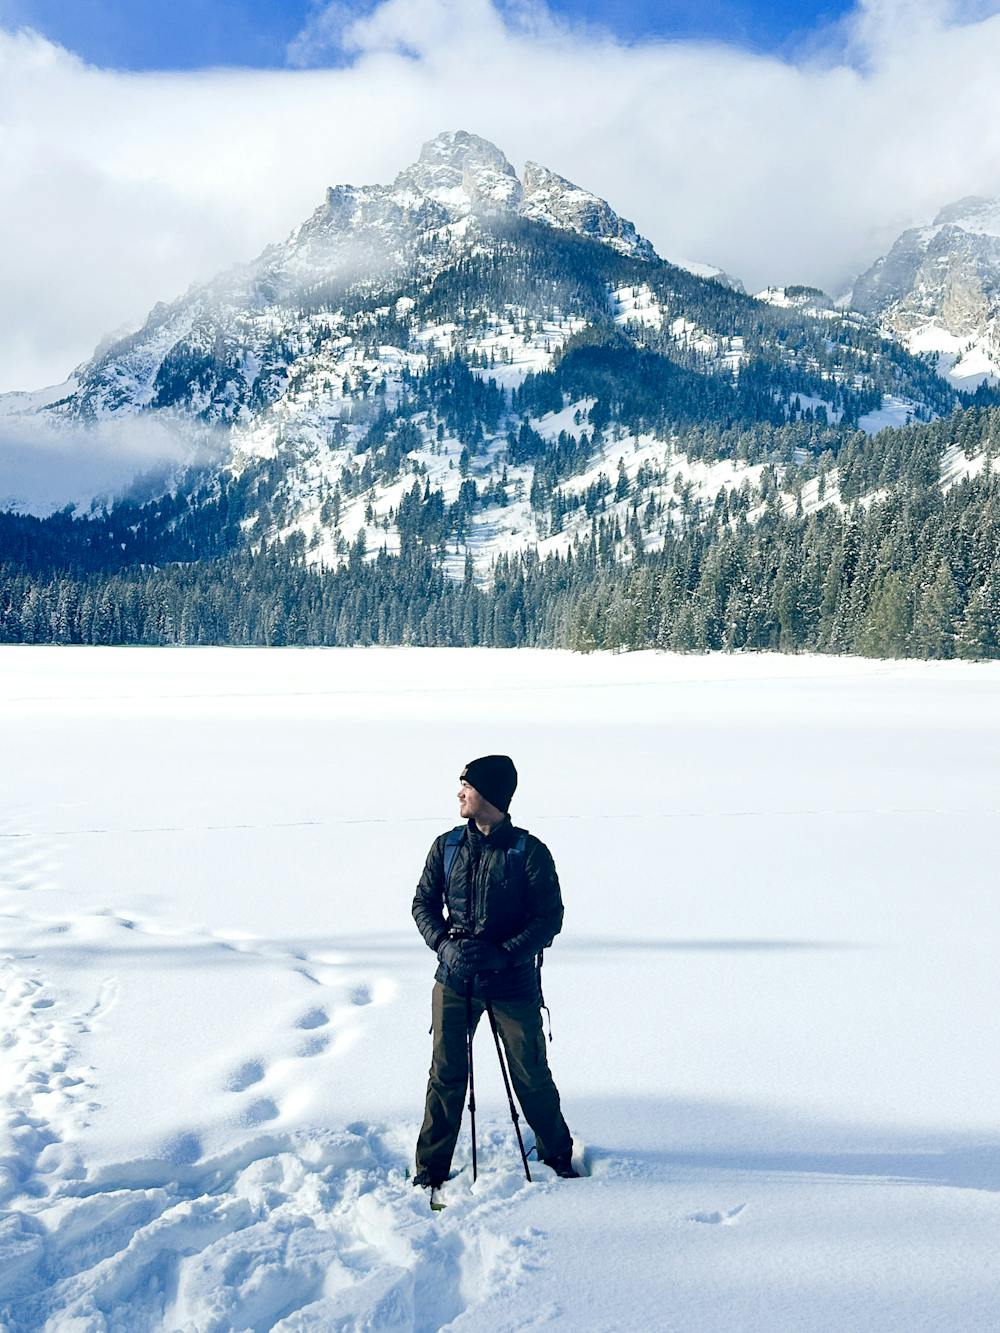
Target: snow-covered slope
[(811, 300), (702, 270), (938, 290)]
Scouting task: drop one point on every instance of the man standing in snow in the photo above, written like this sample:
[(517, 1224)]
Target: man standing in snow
[(499, 887)]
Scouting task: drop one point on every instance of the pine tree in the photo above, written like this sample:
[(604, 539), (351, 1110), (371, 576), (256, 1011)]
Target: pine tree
[(886, 629), (934, 619)]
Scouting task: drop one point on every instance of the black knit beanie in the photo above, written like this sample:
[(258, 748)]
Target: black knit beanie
[(495, 777)]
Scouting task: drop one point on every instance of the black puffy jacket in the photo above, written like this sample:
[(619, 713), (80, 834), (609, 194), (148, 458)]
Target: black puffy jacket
[(513, 902)]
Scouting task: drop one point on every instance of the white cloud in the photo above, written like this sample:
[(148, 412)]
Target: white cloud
[(120, 189), (323, 36)]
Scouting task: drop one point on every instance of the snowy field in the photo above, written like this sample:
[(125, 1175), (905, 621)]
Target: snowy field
[(776, 1001)]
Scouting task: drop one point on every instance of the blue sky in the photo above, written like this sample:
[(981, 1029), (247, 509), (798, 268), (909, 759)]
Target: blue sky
[(191, 34)]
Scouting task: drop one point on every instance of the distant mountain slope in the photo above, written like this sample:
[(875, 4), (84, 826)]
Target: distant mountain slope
[(938, 290)]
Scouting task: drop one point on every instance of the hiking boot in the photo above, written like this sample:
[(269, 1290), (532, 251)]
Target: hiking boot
[(563, 1166)]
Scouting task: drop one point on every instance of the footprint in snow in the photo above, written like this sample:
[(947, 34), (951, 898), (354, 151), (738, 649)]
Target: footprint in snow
[(718, 1219), (313, 1046), (245, 1076), (313, 1018), (361, 995), (181, 1149), (258, 1112)]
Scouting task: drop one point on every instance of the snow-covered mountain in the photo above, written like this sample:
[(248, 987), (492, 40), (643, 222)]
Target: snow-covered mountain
[(938, 290), (504, 350), (364, 239)]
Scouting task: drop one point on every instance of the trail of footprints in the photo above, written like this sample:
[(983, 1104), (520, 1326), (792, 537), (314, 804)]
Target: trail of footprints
[(47, 1088), (317, 1039), (314, 1032), (290, 1231)]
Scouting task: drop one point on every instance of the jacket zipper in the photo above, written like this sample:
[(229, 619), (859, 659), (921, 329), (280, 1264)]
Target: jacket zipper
[(476, 869)]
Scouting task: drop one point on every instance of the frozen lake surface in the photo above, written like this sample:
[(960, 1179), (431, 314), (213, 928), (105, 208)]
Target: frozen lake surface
[(776, 1000)]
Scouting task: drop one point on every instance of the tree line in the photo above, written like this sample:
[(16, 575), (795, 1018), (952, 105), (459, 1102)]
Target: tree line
[(916, 573)]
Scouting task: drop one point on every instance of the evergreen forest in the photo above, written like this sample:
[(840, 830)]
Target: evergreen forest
[(903, 565)]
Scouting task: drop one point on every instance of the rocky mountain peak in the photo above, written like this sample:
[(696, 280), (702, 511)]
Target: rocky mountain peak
[(457, 176), (454, 150), (461, 170), (375, 237), (974, 213)]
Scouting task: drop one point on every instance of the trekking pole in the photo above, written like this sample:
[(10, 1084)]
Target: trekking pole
[(506, 1083), (472, 1078)]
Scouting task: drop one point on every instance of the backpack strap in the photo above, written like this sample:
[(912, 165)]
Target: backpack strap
[(451, 844), (516, 855)]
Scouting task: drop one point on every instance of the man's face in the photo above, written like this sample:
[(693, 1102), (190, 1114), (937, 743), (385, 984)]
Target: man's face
[(470, 803)]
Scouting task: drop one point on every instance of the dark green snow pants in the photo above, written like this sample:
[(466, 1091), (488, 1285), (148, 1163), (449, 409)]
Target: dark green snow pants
[(520, 1024)]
